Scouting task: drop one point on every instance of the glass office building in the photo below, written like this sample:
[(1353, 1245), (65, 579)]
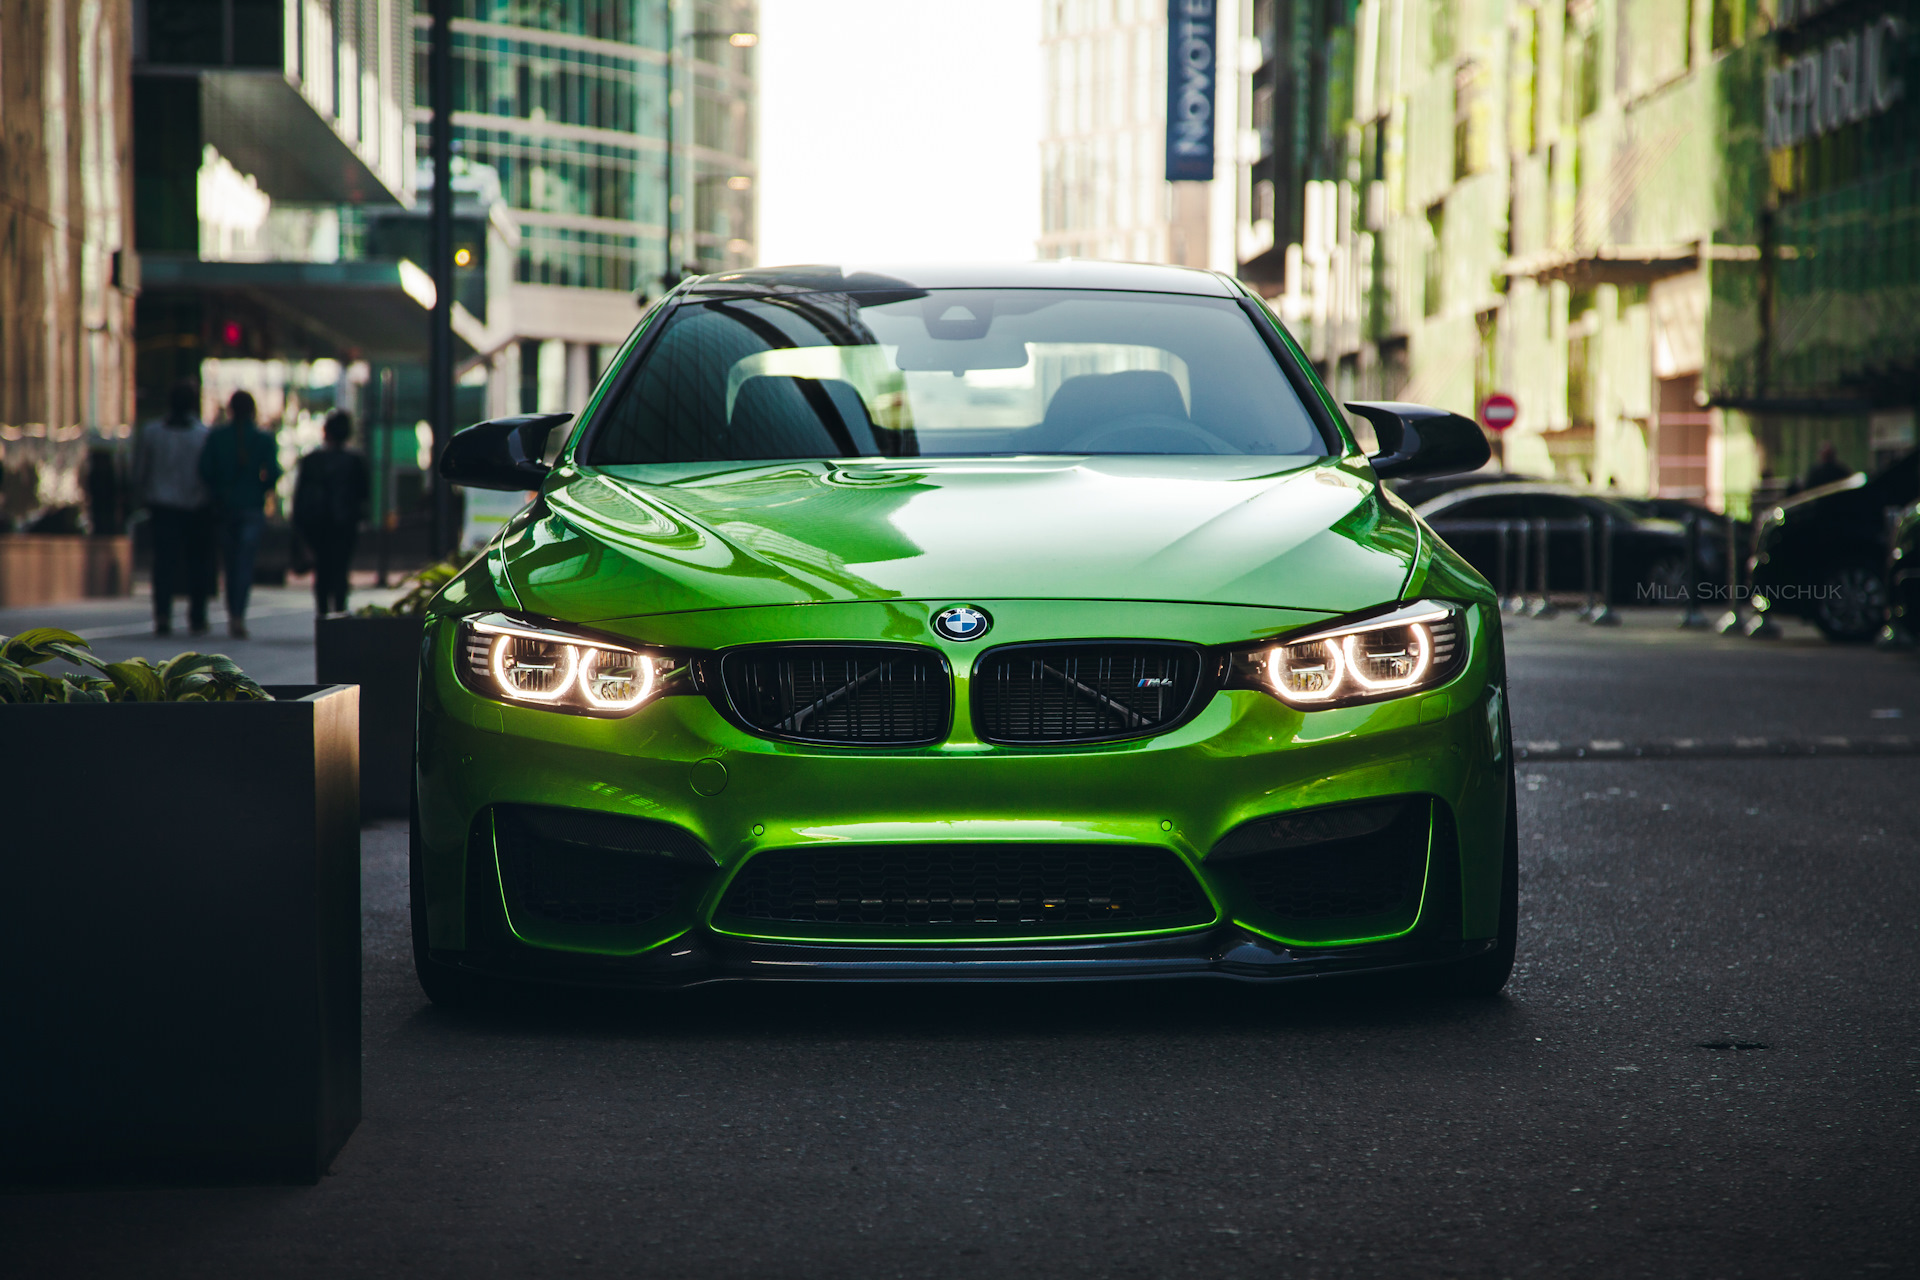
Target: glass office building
[(1104, 190), (567, 101)]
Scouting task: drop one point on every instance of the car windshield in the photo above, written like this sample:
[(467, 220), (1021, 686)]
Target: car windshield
[(919, 373)]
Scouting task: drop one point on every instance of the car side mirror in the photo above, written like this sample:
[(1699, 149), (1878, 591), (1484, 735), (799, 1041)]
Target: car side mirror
[(1418, 441), (504, 453)]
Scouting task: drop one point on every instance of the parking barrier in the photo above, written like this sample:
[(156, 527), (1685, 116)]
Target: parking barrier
[(1694, 616), (1542, 607), (1604, 616), (1731, 621), (1517, 598), (1592, 603)]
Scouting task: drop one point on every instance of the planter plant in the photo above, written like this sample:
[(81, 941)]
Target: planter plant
[(378, 648), (180, 939)]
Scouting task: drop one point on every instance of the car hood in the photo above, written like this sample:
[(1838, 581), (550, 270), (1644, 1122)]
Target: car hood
[(624, 542)]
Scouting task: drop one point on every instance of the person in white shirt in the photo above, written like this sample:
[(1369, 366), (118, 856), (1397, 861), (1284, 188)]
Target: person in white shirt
[(166, 476)]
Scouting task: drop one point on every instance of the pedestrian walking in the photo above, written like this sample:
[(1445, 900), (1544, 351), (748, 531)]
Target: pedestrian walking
[(240, 466), (329, 502), (166, 478), (1827, 470)]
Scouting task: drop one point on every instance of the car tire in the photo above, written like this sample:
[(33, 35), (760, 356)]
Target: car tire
[(1485, 976), (1853, 606), (446, 986)]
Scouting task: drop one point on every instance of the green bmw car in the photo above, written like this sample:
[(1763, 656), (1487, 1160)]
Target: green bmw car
[(1033, 623)]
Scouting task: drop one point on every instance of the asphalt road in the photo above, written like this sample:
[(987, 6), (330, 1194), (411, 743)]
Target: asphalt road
[(1705, 1066)]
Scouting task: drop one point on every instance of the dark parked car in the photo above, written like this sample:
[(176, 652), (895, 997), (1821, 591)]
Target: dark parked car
[(1822, 554), (1420, 490), (1650, 563)]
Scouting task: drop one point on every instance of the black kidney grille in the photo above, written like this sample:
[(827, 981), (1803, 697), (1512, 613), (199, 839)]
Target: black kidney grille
[(917, 886), (852, 694), (579, 867), (1375, 873), (1082, 692)]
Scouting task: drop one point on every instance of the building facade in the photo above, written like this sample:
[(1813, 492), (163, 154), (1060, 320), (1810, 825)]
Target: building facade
[(68, 271), (568, 103), (1104, 189), (1615, 211), (1814, 337)]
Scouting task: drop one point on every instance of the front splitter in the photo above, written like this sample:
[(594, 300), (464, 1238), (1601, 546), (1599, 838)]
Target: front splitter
[(1222, 952)]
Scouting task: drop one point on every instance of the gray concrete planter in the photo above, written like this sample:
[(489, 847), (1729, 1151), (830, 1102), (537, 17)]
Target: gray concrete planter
[(179, 939), (382, 656)]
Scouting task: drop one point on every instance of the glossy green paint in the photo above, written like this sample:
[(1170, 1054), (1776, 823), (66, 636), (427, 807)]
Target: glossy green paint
[(630, 541), (1214, 551), (1246, 755)]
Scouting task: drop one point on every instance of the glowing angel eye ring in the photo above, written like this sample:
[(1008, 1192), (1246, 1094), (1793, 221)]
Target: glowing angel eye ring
[(1276, 672), (497, 664), (643, 681), (1421, 644)]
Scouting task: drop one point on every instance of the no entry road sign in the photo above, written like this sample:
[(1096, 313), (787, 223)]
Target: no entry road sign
[(1499, 411)]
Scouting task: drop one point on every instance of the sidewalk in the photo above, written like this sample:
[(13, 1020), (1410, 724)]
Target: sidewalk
[(280, 619), (1648, 678)]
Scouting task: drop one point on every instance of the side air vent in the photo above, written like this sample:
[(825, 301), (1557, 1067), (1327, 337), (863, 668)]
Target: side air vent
[(574, 866), (854, 695), (1446, 642), (1345, 862), (1091, 691)]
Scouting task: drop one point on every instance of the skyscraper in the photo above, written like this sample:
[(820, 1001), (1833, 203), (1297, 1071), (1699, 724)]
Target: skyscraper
[(567, 100), (1104, 191)]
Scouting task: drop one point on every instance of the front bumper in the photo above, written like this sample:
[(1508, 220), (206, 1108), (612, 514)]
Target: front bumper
[(1224, 952), (1245, 756)]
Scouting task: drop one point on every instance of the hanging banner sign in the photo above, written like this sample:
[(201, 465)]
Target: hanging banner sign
[(1193, 65), (1849, 78)]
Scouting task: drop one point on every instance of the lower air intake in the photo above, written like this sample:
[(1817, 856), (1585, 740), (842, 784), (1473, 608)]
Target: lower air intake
[(577, 867), (1091, 692), (929, 886), (1348, 862), (857, 695)]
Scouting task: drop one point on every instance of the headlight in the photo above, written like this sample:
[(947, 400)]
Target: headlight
[(517, 661), (1415, 647)]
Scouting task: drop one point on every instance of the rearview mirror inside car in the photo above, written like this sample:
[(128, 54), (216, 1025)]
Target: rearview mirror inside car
[(960, 355), (1416, 440), (504, 453)]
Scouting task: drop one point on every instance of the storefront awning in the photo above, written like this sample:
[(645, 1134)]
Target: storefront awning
[(371, 309), (259, 121)]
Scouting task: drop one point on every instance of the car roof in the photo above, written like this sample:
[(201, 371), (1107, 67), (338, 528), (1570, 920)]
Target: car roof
[(1057, 274)]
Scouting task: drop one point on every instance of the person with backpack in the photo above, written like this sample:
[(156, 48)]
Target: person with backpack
[(240, 465), (329, 502)]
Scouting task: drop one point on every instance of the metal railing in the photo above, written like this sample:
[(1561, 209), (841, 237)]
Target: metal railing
[(1522, 563)]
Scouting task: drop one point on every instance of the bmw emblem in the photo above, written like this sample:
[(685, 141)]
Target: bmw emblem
[(961, 622)]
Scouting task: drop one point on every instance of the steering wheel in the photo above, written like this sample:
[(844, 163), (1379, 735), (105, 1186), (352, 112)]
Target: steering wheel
[(1146, 433)]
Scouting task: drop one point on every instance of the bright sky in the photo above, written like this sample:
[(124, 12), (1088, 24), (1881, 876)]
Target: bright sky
[(899, 130)]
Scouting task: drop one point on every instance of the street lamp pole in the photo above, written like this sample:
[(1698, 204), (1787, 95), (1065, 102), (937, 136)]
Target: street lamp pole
[(739, 40), (440, 251)]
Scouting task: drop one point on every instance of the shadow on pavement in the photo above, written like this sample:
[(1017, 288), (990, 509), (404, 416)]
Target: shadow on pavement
[(938, 1013)]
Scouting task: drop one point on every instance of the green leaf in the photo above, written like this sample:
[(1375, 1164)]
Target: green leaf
[(182, 663), (137, 680), (82, 692), (41, 643), (13, 684)]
